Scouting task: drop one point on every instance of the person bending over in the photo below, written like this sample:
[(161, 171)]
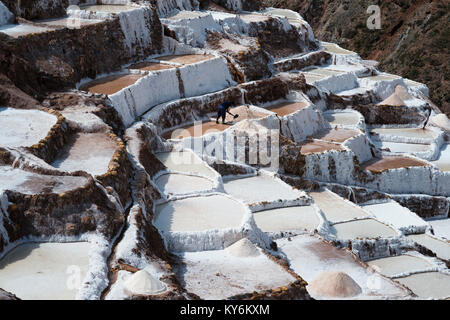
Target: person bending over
[(224, 108)]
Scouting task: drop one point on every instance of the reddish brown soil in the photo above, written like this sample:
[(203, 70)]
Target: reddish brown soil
[(383, 164), (111, 84), (286, 108)]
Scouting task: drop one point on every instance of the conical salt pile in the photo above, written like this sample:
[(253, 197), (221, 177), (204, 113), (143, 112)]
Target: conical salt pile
[(243, 248), (334, 284), (398, 98), (143, 283)]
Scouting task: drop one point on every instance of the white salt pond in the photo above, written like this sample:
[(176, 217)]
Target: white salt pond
[(185, 161), (383, 77), (302, 218), (109, 8), (45, 271), (434, 285), (443, 162), (67, 22), (214, 275), (398, 147), (346, 118), (334, 48), (400, 217), (309, 256), (440, 248), (175, 183), (19, 30), (180, 15), (31, 183), (393, 266), (199, 214), (24, 128), (335, 208), (90, 152), (441, 228), (362, 229), (284, 13), (405, 132), (261, 189)]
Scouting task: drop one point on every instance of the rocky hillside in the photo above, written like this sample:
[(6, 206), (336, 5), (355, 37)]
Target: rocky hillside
[(413, 40)]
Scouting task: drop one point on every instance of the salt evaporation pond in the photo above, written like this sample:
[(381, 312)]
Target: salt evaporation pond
[(180, 15), (309, 256), (320, 147), (406, 132), (398, 147), (24, 128), (186, 58), (362, 229), (151, 66), (185, 161), (393, 266), (175, 183), (336, 135), (443, 162), (199, 214), (19, 30), (111, 84), (393, 213), (109, 8), (90, 152), (260, 189), (42, 271), (302, 218), (440, 247), (441, 228), (32, 183), (67, 22), (334, 48), (378, 165), (285, 108), (285, 13), (428, 285), (335, 208), (220, 275), (345, 118)]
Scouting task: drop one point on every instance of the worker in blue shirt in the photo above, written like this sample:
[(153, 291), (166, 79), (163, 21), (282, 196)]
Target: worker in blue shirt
[(224, 108)]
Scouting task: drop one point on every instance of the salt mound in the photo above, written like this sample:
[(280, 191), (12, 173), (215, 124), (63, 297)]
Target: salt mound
[(143, 283), (334, 284), (441, 120), (243, 248), (398, 98)]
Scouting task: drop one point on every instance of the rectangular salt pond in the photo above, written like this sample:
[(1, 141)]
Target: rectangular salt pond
[(405, 132), (303, 218), (214, 275), (67, 22), (111, 84), (378, 165), (309, 257), (185, 161), (334, 48), (440, 247), (335, 208), (428, 285), (19, 30), (400, 217), (261, 189), (362, 229), (393, 266), (347, 118), (41, 271), (398, 147), (109, 8), (441, 228), (443, 162), (186, 58)]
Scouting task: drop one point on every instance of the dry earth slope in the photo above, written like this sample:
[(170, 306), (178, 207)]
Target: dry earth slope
[(413, 40)]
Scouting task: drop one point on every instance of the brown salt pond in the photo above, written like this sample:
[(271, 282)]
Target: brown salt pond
[(151, 66), (382, 164), (198, 130), (90, 152), (186, 58), (337, 135), (20, 30), (319, 147), (111, 84), (285, 108)]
